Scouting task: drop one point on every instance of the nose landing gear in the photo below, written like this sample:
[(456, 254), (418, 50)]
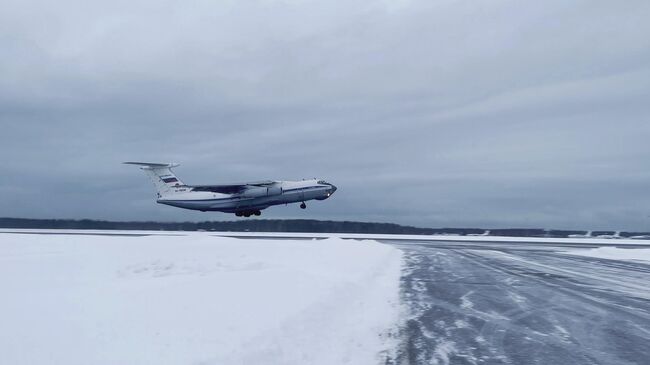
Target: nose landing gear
[(303, 205)]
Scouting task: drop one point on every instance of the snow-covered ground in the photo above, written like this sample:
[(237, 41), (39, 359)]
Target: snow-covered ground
[(364, 236), (449, 237), (195, 299), (614, 253)]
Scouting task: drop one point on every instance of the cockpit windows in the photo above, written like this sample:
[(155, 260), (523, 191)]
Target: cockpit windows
[(323, 182)]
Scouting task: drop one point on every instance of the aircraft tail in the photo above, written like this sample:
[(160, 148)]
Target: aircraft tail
[(164, 180)]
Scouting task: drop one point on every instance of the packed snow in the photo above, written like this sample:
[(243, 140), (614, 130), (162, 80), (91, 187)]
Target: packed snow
[(450, 237), (365, 236), (195, 299), (615, 253)]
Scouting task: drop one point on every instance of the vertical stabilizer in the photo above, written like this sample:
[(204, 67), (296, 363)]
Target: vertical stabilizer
[(161, 175)]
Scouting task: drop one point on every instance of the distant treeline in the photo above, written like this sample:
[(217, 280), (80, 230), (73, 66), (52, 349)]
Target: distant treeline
[(287, 225)]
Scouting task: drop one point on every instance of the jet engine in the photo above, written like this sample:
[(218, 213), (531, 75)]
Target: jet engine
[(255, 192), (258, 192)]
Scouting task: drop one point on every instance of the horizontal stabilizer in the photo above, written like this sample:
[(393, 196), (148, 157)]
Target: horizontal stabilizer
[(153, 164)]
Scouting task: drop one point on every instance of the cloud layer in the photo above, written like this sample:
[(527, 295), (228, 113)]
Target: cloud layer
[(432, 113)]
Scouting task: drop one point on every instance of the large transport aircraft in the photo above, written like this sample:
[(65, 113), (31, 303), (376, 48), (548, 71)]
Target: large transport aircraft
[(242, 199)]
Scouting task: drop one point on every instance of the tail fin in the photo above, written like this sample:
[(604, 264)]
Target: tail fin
[(161, 175)]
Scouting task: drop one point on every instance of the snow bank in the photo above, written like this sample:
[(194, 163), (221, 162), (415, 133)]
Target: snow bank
[(614, 253), (358, 236), (446, 237), (195, 299)]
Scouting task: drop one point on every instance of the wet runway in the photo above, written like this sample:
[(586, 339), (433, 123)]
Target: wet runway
[(514, 304)]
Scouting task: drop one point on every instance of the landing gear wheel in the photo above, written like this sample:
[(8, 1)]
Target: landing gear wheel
[(247, 214), (239, 214), (303, 205), (257, 212)]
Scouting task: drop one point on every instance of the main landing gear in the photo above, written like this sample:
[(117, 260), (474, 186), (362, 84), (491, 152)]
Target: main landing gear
[(248, 213), (303, 205)]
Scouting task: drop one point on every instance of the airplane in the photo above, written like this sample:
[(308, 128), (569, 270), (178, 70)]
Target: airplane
[(486, 233), (244, 199), (589, 234), (616, 235)]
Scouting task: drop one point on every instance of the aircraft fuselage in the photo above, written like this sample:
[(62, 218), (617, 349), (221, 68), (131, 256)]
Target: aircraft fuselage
[(252, 199)]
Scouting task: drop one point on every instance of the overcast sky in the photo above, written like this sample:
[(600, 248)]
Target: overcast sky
[(431, 113)]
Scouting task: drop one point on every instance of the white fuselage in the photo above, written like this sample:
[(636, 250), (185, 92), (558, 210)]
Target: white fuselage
[(251, 198)]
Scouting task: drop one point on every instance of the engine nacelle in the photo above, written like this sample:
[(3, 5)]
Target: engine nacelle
[(258, 191), (255, 192)]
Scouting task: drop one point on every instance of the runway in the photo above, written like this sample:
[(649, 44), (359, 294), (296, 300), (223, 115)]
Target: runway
[(521, 304)]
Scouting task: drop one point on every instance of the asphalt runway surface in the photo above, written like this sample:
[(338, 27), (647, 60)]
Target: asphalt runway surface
[(476, 303)]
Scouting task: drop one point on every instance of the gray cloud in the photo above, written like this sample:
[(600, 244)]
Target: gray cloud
[(445, 113)]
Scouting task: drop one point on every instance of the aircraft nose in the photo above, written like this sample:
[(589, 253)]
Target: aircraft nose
[(332, 188)]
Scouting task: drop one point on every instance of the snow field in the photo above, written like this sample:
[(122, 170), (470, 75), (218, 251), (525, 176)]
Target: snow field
[(615, 253), (195, 299)]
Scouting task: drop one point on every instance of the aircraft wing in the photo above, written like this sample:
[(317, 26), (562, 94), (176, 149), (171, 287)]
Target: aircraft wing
[(231, 188)]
